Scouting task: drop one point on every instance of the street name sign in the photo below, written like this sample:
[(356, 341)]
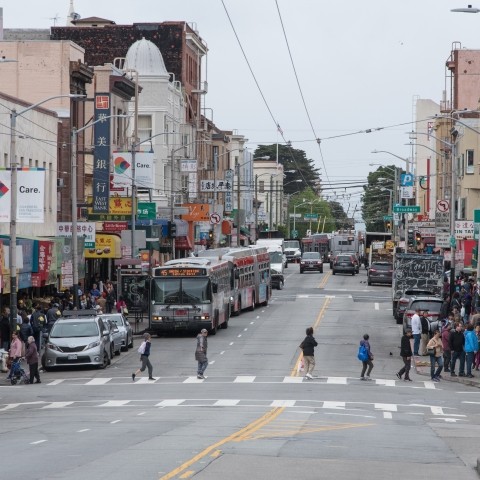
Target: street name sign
[(406, 208)]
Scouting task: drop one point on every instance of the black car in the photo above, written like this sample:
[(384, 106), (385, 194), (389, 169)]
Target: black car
[(380, 272), (344, 264), (311, 261)]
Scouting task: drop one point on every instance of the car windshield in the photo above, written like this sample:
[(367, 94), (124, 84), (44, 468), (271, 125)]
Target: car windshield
[(291, 244), (116, 319), (311, 256), (382, 266), (276, 257), (181, 290), (72, 330), (432, 307)]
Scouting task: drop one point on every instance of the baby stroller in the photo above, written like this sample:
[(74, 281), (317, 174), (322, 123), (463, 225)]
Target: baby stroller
[(17, 373)]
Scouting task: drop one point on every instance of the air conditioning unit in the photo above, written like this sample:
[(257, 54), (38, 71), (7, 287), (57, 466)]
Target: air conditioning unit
[(60, 183)]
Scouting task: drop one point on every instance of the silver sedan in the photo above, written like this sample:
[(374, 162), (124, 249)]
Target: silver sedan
[(125, 330)]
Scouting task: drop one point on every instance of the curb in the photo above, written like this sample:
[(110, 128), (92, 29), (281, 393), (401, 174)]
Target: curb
[(465, 381)]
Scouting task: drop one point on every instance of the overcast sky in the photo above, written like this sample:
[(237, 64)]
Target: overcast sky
[(360, 64)]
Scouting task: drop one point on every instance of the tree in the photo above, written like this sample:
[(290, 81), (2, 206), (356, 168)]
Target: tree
[(296, 166), (376, 198), (342, 222)]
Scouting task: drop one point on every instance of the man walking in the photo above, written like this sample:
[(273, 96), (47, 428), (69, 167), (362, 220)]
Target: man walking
[(406, 354), (144, 351), (425, 337), (447, 354), (471, 347), (457, 342), (308, 346), (416, 331), (201, 353)]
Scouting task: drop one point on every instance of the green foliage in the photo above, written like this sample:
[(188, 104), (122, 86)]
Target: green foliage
[(375, 201), (296, 166)]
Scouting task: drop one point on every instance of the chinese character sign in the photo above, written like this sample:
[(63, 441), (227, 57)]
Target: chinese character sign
[(209, 185), (228, 194), (101, 158)]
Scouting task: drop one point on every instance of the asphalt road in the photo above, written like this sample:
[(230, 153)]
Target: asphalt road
[(254, 416)]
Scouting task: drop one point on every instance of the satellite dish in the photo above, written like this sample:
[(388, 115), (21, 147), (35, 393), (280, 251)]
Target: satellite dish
[(75, 16)]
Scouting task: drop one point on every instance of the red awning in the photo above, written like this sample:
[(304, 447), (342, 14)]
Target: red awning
[(183, 243)]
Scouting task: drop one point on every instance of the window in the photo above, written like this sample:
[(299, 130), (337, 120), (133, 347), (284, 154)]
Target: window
[(261, 186), (144, 127), (470, 167)]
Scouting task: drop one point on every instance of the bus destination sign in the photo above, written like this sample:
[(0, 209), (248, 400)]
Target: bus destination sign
[(180, 272)]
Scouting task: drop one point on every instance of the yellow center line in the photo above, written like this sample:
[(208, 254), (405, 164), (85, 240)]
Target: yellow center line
[(324, 280), (237, 436), (294, 372)]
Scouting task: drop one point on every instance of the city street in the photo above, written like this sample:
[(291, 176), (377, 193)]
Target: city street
[(254, 416)]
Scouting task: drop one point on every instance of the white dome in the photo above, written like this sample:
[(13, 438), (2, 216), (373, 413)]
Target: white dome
[(145, 57)]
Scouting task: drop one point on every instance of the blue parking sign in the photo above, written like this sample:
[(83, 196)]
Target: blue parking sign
[(406, 180)]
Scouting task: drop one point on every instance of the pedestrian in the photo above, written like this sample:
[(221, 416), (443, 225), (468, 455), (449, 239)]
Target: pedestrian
[(456, 342), (406, 354), (435, 350), (122, 306), (53, 313), (366, 363), (111, 297), (201, 353), (144, 351), (15, 352), (476, 361), (425, 337), (447, 353), (308, 345), (25, 329), (5, 328), (95, 292), (416, 330), (37, 321), (102, 303), (471, 348), (31, 355)]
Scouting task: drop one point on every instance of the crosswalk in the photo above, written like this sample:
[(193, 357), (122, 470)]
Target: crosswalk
[(235, 379), (310, 405)]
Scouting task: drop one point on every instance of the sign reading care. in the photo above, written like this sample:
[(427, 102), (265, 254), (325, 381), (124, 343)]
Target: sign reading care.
[(30, 195), (123, 170)]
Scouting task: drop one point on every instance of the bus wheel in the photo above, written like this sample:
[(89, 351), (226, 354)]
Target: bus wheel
[(252, 308), (213, 330)]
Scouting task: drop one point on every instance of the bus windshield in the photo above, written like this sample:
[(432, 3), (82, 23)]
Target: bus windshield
[(181, 291), (291, 244)]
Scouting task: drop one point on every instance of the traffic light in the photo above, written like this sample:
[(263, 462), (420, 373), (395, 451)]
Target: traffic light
[(389, 226), (411, 237), (210, 235), (418, 237), (172, 229)]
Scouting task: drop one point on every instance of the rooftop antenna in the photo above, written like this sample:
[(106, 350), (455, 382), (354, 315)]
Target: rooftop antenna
[(55, 19)]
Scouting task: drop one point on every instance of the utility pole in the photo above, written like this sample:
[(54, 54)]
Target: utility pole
[(238, 205), (73, 197), (13, 221), (256, 207), (172, 197), (134, 186), (271, 202), (453, 216)]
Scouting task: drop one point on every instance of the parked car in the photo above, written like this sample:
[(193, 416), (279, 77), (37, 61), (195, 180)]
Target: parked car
[(432, 304), (115, 337), (344, 264), (124, 328), (311, 261), (380, 272), (405, 300), (80, 337)]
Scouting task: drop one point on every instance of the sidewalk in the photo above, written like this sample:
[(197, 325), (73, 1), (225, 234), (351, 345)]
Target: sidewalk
[(422, 367)]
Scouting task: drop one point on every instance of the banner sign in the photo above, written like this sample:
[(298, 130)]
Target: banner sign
[(84, 229), (123, 171), (30, 195), (209, 185), (101, 155), (229, 174), (464, 230), (188, 166)]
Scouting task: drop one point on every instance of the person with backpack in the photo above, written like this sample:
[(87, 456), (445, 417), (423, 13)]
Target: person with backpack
[(144, 351), (366, 354), (308, 345), (406, 354), (425, 336)]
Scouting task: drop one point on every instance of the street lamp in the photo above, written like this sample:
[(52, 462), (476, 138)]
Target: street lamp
[(13, 203), (295, 211)]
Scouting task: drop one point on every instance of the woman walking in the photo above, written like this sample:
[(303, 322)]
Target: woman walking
[(366, 363), (31, 355), (144, 351), (435, 350), (308, 345)]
